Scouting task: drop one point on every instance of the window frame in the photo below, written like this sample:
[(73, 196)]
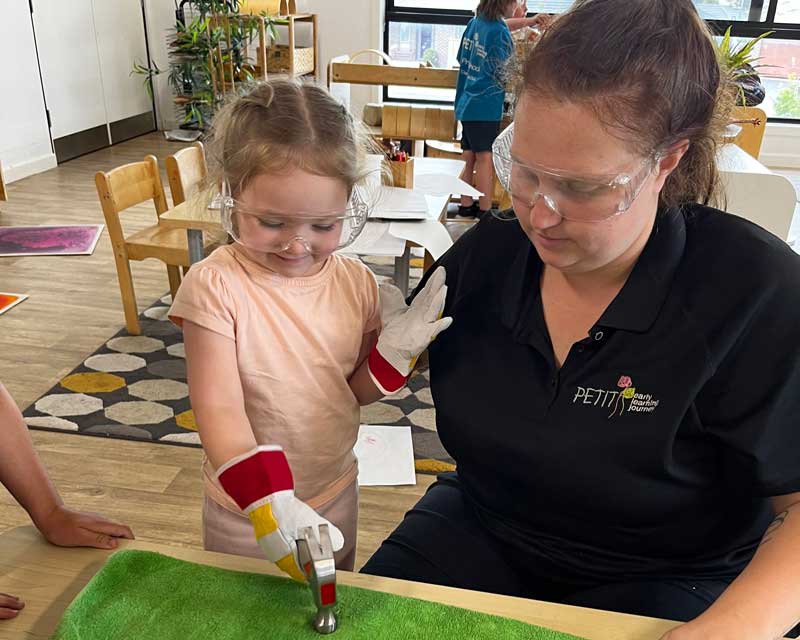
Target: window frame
[(739, 28)]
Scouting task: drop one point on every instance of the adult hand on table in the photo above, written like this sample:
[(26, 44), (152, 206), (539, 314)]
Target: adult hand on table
[(10, 606), (67, 528), (407, 331)]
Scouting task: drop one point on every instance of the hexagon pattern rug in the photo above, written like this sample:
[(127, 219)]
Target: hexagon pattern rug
[(134, 388)]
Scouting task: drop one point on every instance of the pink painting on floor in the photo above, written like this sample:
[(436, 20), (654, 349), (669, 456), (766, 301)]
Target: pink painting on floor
[(59, 240)]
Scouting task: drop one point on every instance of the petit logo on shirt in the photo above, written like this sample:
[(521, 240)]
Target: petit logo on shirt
[(623, 399)]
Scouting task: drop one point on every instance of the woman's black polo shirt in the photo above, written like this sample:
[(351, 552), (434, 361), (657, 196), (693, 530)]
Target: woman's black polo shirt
[(654, 449)]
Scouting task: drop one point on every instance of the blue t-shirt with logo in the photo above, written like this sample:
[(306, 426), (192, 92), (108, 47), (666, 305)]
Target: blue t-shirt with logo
[(485, 48)]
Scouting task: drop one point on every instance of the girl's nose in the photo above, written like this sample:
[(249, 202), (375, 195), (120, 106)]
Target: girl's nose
[(298, 246)]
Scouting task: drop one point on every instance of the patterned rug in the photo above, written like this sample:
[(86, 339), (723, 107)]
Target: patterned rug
[(134, 388)]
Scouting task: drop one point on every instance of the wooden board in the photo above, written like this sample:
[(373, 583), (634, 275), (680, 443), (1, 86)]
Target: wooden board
[(385, 75), (417, 126)]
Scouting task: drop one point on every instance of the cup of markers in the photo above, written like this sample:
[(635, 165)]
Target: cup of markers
[(402, 166)]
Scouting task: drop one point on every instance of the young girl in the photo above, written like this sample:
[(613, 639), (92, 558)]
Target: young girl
[(22, 473), (485, 48), (282, 334)]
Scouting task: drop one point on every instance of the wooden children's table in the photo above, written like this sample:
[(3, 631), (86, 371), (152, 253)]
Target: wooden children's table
[(48, 579)]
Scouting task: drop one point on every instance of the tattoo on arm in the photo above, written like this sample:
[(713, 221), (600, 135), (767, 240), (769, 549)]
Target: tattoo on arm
[(774, 526), (777, 523)]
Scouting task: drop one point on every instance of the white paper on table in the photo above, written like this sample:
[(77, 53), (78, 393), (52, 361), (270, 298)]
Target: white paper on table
[(440, 184), (396, 203), (430, 234), (376, 239), (385, 456)]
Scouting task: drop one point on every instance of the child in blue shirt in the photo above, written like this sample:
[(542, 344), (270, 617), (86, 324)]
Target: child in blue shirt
[(485, 48)]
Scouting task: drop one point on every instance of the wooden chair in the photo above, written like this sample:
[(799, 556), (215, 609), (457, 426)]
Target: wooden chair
[(186, 171), (120, 189), (754, 124)]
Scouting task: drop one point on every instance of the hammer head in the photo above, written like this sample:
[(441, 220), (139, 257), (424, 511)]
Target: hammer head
[(316, 559)]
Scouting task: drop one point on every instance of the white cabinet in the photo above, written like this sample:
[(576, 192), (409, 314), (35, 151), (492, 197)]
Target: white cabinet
[(25, 146), (121, 41), (73, 87), (87, 49)]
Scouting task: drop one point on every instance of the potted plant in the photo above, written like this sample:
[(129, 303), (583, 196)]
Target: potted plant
[(740, 63), (208, 54)]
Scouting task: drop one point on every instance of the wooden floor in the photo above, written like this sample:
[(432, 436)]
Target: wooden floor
[(74, 307)]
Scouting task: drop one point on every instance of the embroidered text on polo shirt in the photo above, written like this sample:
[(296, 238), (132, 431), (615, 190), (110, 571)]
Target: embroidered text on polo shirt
[(618, 401)]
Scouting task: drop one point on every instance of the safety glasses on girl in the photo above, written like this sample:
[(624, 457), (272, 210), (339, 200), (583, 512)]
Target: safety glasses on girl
[(580, 199), (271, 231)]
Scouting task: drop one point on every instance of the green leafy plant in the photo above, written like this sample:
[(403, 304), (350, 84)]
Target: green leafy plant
[(205, 59), (740, 60), (148, 72)]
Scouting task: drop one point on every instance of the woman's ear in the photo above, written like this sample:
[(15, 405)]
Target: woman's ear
[(669, 160)]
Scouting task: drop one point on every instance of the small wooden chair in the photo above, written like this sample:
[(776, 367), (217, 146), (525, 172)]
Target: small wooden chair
[(186, 170), (754, 124), (186, 173), (120, 189)]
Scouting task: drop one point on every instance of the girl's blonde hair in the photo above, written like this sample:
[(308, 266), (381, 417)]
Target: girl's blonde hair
[(281, 125)]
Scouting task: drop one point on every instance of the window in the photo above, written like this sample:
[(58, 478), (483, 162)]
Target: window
[(430, 31), (780, 76), (436, 44)]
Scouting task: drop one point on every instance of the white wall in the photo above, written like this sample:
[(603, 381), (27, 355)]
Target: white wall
[(24, 136), (345, 31), (340, 30)]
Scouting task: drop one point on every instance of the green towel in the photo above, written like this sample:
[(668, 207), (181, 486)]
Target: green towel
[(140, 595)]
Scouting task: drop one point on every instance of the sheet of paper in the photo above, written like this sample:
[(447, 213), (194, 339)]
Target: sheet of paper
[(376, 239), (440, 184), (396, 203), (446, 166), (430, 234), (385, 456)]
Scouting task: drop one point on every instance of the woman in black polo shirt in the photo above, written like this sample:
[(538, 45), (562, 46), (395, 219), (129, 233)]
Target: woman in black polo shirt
[(620, 386)]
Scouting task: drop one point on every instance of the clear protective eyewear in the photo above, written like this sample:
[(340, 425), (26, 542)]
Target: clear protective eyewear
[(580, 199), (275, 232)]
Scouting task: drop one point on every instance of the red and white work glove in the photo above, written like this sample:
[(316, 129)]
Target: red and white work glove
[(261, 483), (407, 331)]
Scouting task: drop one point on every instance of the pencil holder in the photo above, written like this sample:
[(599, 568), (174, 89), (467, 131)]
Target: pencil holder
[(403, 173)]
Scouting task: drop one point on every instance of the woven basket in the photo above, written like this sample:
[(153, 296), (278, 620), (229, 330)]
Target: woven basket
[(278, 59)]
